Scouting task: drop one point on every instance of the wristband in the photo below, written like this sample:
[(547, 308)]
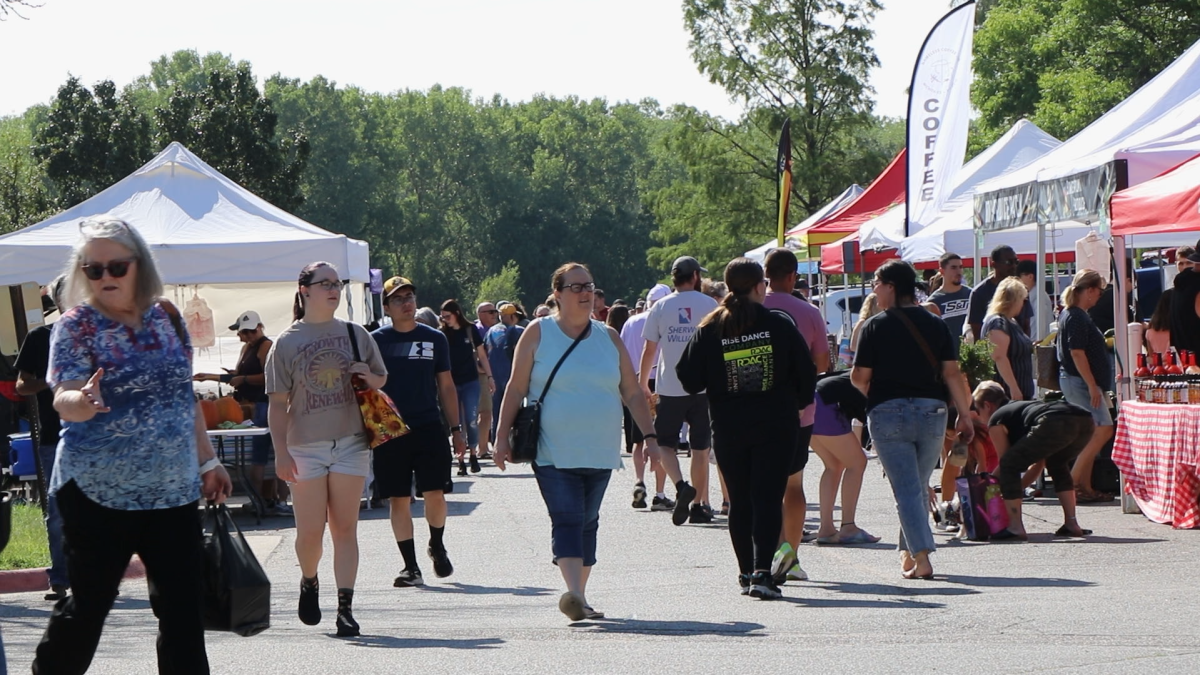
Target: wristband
[(457, 427), (209, 465), (646, 437)]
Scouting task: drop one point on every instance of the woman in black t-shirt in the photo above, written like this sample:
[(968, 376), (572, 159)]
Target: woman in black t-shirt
[(466, 357), (905, 359), (759, 375), (1012, 350)]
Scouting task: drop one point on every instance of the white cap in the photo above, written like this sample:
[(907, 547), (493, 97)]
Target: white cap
[(657, 293), (247, 321)]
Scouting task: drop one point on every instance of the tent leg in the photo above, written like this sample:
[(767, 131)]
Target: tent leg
[(1041, 313)]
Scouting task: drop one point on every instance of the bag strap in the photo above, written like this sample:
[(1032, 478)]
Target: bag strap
[(912, 329), (584, 334), (172, 314), (353, 340)]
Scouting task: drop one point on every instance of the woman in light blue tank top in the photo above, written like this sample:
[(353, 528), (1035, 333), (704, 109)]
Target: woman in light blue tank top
[(580, 440)]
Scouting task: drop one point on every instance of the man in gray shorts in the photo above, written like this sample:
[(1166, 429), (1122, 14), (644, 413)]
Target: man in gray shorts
[(669, 325)]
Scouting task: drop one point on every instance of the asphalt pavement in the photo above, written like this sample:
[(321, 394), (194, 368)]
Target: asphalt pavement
[(1123, 600)]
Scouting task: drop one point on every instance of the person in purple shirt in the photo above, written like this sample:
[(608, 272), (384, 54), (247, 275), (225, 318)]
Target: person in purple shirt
[(631, 335), (782, 269)]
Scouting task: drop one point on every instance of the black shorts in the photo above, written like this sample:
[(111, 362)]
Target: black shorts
[(800, 458), (424, 452), (673, 411), (633, 435)]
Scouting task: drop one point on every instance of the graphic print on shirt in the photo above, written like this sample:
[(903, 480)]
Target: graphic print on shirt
[(327, 384), (419, 350), (749, 362), (685, 315)]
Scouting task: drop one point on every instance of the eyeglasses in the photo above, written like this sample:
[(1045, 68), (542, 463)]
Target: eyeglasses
[(115, 268), (578, 288), (402, 299), (327, 285)]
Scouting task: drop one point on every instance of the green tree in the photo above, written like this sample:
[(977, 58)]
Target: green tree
[(504, 285), (90, 140), (1064, 63), (231, 126), (24, 199)]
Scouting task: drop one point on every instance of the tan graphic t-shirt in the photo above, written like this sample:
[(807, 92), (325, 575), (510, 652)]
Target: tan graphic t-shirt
[(311, 362)]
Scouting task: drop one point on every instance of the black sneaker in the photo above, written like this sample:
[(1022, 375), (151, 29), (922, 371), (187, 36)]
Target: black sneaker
[(462, 468), (346, 625), (475, 464), (744, 584), (699, 515), (763, 587), (709, 510), (662, 504), (56, 593), (639, 495), (409, 578), (684, 494), (309, 610), (441, 562)]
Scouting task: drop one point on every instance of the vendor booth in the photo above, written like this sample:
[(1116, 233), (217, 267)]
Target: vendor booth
[(1157, 445), (220, 249), (792, 237)]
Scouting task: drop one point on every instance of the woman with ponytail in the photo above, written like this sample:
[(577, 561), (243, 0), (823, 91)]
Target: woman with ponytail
[(317, 431), (759, 376)]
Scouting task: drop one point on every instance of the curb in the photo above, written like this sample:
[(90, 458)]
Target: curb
[(26, 581)]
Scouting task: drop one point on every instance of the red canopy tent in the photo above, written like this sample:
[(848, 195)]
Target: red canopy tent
[(885, 191), (1168, 203), (844, 257)]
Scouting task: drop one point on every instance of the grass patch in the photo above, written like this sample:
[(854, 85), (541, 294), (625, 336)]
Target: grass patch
[(28, 546)]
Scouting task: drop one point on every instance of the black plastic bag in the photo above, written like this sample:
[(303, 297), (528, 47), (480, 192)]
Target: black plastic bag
[(237, 593)]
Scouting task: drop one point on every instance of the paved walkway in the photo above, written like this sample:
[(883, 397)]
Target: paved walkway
[(1123, 601)]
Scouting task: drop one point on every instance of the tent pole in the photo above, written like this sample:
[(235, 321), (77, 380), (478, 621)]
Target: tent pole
[(1041, 313)]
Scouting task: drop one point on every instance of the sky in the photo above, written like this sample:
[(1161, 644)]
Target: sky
[(620, 50)]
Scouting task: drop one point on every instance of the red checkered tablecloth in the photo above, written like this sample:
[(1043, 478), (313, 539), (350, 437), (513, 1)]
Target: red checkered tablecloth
[(1157, 450)]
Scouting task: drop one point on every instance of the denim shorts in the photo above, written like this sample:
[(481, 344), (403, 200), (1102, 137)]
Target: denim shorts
[(1075, 390)]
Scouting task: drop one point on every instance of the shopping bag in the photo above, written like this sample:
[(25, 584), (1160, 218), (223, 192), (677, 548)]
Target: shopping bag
[(997, 513), (971, 490), (237, 593), (381, 419)]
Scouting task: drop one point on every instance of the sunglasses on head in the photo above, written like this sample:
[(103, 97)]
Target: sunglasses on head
[(115, 268)]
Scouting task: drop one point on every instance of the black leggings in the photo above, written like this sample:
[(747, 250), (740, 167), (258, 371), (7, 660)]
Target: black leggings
[(1056, 438), (756, 475), (99, 543)]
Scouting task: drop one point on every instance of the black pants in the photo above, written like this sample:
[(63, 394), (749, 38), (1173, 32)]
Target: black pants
[(1056, 438), (99, 543), (756, 475)]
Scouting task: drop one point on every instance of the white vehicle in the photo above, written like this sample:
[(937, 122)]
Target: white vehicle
[(841, 308)]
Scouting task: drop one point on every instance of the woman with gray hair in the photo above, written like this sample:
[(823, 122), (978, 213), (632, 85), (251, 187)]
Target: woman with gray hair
[(134, 456)]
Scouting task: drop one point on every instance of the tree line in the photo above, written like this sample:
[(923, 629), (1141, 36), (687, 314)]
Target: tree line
[(470, 195)]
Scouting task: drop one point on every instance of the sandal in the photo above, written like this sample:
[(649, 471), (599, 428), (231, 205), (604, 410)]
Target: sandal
[(859, 537), (1093, 497), (1065, 531), (1008, 535)]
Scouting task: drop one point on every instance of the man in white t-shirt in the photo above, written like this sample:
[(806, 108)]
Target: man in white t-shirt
[(631, 335), (669, 325)]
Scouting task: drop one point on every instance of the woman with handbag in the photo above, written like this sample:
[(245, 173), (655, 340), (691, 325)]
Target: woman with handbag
[(1012, 350), (582, 375), (905, 361), (134, 457), (759, 376), (317, 429)]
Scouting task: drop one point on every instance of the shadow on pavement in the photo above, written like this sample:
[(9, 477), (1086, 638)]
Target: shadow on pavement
[(391, 642), (1016, 582), (614, 625), (469, 589), (896, 603), (453, 508), (886, 589)]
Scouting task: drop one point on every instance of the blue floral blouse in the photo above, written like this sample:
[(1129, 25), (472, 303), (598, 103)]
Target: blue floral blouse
[(142, 453)]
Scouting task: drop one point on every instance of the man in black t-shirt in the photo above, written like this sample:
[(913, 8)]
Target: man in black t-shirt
[(1185, 304), (418, 364), (32, 363), (1004, 265), (1027, 432)]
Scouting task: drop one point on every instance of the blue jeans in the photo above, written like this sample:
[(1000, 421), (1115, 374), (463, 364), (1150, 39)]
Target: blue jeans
[(468, 410), (908, 433), (54, 526), (573, 497), (260, 446), (497, 400)]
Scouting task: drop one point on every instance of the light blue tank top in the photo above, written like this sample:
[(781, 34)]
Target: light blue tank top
[(581, 414)]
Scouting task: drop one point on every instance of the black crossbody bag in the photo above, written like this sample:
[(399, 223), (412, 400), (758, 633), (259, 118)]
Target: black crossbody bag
[(527, 427)]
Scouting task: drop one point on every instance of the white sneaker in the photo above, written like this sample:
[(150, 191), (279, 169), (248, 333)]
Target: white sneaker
[(797, 573)]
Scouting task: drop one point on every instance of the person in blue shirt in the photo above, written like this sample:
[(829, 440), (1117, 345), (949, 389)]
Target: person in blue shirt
[(421, 386), (134, 456), (501, 345)]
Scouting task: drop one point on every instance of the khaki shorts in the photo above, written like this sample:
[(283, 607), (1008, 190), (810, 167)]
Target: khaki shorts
[(485, 398), (348, 455)]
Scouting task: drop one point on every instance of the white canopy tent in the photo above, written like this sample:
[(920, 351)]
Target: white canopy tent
[(836, 204), (209, 236), (1022, 144)]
